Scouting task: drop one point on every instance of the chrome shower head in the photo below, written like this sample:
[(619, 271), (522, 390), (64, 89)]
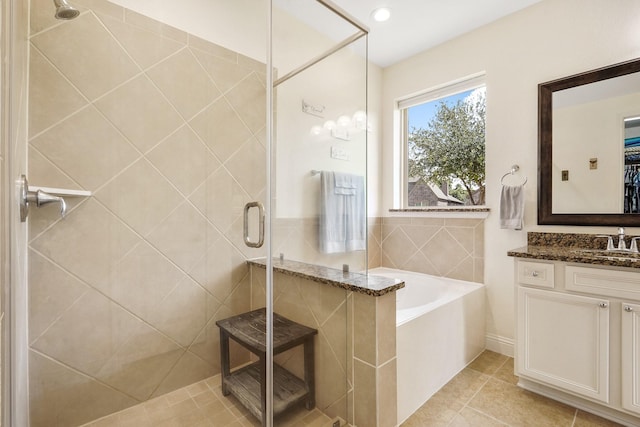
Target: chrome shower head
[(64, 10)]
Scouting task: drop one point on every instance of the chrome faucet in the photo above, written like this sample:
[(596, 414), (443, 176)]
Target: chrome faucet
[(622, 245)]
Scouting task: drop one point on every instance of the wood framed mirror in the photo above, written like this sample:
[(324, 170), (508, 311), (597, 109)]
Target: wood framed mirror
[(587, 125)]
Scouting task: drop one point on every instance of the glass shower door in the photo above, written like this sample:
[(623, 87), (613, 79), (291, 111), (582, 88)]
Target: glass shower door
[(319, 132), (149, 121)]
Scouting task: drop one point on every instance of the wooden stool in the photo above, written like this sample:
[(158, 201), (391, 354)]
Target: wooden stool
[(248, 384)]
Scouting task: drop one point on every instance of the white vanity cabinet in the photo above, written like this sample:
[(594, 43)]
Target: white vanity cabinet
[(563, 340), (578, 336), (631, 357)]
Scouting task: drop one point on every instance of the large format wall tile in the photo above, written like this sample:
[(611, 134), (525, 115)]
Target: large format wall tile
[(87, 148), (85, 52), (51, 97), (184, 148), (125, 290), (145, 47), (189, 95), (140, 111), (64, 397), (140, 196)]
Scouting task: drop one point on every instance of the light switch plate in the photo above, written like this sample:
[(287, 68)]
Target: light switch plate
[(340, 153)]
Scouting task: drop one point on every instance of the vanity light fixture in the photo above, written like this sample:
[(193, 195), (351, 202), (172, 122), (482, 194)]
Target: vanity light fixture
[(381, 14)]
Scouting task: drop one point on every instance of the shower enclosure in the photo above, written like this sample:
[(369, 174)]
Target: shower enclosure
[(164, 127)]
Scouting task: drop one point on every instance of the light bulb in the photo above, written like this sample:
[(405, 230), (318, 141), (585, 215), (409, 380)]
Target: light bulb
[(381, 14), (329, 125), (316, 130), (344, 121)]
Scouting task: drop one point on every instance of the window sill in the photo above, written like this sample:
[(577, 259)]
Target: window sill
[(443, 212)]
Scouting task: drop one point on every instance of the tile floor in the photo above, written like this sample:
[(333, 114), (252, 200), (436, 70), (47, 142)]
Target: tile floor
[(483, 395), (203, 405)]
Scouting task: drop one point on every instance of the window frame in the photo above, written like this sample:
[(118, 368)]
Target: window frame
[(401, 189)]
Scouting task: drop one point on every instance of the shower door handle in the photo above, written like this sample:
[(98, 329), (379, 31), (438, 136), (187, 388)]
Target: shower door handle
[(247, 240)]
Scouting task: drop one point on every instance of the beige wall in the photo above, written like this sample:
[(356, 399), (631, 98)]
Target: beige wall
[(167, 131), (549, 40)]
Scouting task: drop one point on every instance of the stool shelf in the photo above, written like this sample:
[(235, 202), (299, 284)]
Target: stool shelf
[(288, 389)]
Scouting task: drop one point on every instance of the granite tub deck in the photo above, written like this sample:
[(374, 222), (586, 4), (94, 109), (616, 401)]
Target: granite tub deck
[(356, 282), (574, 248)]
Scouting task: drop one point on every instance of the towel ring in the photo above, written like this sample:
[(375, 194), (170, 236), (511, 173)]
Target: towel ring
[(514, 169)]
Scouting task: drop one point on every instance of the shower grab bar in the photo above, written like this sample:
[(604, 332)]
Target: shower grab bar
[(247, 240), (43, 196)]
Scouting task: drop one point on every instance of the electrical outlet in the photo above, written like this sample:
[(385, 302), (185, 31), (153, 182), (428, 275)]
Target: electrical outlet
[(565, 175), (593, 163)]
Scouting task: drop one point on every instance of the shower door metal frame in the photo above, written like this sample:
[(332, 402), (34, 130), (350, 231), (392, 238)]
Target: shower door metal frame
[(363, 31)]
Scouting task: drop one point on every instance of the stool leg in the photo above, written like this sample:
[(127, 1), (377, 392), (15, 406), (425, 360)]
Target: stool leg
[(224, 360), (263, 388), (309, 373)]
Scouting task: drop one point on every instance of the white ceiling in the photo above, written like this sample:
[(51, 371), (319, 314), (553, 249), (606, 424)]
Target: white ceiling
[(415, 25)]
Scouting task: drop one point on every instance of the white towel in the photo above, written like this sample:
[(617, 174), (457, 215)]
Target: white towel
[(343, 223), (512, 207), (345, 183)]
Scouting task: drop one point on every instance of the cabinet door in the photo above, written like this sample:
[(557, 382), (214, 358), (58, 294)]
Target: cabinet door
[(631, 357), (563, 341)]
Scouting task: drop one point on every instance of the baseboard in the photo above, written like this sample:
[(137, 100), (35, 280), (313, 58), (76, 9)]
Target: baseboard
[(500, 344)]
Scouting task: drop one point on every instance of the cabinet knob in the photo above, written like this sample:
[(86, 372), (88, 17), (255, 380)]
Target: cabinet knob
[(534, 273), (628, 309), (603, 305)]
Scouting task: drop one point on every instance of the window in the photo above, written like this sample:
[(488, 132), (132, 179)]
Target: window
[(444, 145)]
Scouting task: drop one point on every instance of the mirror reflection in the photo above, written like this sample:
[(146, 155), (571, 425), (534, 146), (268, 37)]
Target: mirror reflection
[(593, 164)]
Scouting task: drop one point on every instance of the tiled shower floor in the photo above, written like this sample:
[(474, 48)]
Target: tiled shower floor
[(484, 394), (203, 405)]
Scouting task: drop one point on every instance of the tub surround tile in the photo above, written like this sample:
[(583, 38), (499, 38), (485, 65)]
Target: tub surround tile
[(448, 247), (356, 282)]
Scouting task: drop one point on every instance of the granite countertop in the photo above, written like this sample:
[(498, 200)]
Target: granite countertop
[(357, 282), (578, 248)]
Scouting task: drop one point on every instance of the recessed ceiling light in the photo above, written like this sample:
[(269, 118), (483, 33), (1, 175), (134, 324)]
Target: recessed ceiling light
[(381, 14)]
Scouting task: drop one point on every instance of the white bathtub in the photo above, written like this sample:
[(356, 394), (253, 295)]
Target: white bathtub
[(440, 328)]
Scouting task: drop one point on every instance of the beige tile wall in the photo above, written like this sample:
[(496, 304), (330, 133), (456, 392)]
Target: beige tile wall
[(326, 309), (450, 247), (165, 129)]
